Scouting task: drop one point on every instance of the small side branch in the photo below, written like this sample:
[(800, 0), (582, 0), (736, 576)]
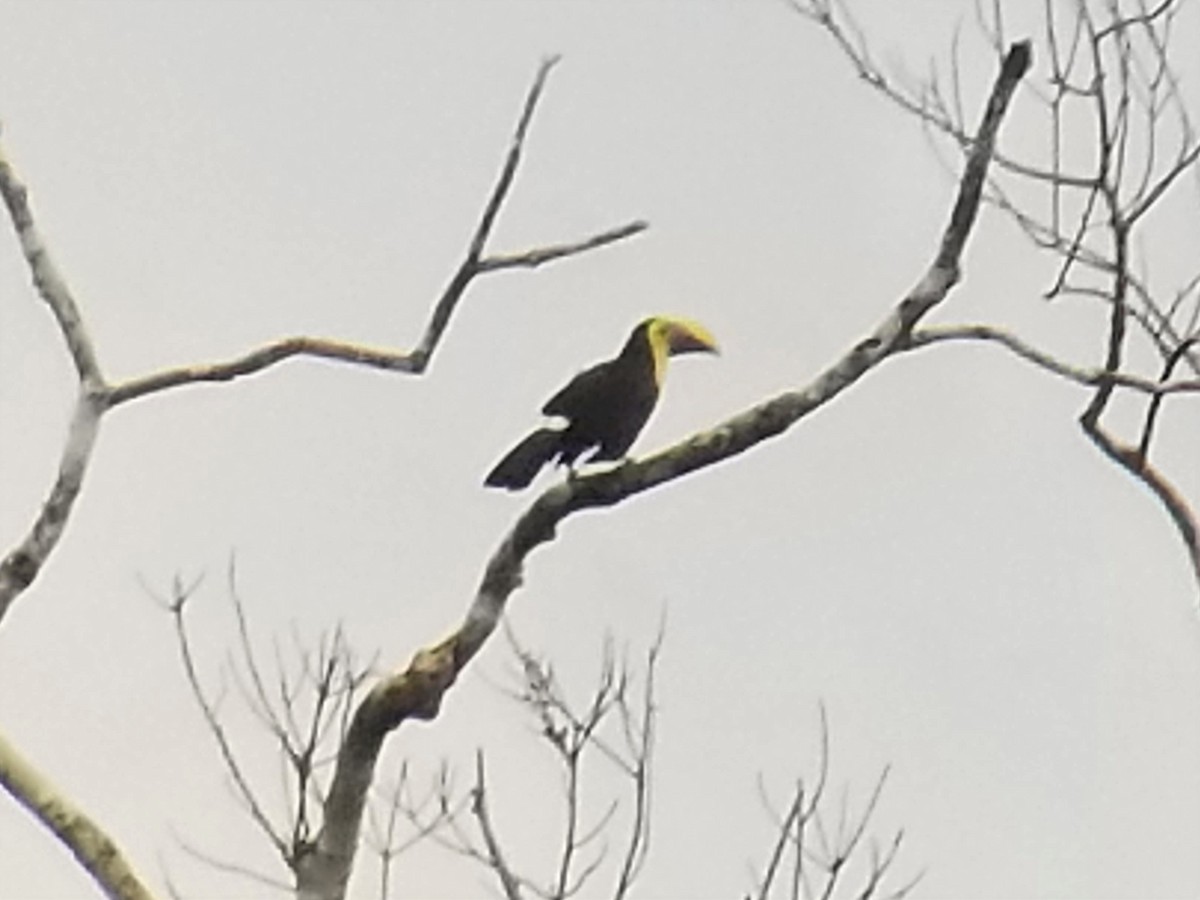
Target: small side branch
[(495, 858), (261, 358), (531, 259), (180, 596), (1086, 376), (1132, 461), (1156, 400)]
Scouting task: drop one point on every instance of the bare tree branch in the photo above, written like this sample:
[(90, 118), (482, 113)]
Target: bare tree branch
[(50, 284), (1113, 66), (836, 19), (415, 361), (384, 839), (639, 739), (19, 568), (92, 847), (23, 563), (181, 594), (232, 868), (1087, 376), (1120, 218), (303, 716), (1131, 460), (766, 420), (785, 826), (824, 870), (572, 731), (417, 692), (1156, 401), (531, 259), (495, 859)]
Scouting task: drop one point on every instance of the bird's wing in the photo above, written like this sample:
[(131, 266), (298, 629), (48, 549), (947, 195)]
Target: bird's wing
[(522, 463), (582, 390)]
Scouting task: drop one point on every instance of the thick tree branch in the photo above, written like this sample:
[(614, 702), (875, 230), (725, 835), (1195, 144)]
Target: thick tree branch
[(417, 692), (23, 563), (765, 420), (94, 849), (50, 285)]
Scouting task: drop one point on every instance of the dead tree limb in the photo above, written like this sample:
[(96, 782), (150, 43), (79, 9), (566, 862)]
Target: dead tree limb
[(1114, 66), (417, 692), (21, 565), (416, 360), (92, 847)]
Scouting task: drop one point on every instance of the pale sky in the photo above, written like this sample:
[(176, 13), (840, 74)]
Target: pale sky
[(940, 557)]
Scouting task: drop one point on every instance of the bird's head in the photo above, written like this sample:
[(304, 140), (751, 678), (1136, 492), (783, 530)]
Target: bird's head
[(671, 337), (680, 336)]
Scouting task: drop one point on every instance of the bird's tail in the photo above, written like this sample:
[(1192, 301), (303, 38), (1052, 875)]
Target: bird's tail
[(525, 460)]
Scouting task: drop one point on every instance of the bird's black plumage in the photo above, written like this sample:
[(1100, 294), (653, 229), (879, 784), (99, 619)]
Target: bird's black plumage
[(605, 406)]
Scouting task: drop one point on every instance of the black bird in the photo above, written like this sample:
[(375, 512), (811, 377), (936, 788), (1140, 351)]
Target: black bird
[(605, 406)]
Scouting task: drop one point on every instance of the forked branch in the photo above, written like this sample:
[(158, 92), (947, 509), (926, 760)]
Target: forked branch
[(614, 725), (1112, 67), (417, 692), (415, 361), (20, 566), (816, 853)]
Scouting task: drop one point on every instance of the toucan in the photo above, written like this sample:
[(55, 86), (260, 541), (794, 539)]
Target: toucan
[(605, 406)]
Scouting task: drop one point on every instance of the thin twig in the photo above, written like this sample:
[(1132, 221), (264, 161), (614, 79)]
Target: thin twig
[(1156, 400), (232, 868), (512, 889), (179, 601)]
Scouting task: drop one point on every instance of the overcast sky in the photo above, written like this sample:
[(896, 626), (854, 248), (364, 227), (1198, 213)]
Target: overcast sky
[(940, 557)]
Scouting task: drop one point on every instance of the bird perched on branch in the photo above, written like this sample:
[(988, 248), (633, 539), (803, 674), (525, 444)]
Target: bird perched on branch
[(605, 406)]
